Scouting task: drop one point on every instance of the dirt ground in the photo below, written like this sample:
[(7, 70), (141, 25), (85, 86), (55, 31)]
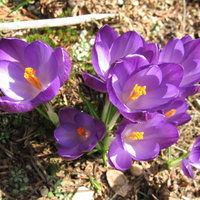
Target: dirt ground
[(30, 167)]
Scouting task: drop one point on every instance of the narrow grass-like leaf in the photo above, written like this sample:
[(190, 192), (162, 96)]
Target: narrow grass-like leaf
[(17, 7), (89, 106), (95, 183)]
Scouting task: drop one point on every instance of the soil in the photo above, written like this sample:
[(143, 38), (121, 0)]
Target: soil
[(30, 167)]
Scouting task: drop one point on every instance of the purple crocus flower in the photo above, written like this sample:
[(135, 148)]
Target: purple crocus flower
[(109, 48), (31, 74), (193, 160), (134, 88), (141, 141), (175, 112), (77, 133), (185, 52)]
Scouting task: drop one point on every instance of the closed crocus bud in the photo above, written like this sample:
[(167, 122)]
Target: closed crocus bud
[(141, 141), (31, 74), (77, 133)]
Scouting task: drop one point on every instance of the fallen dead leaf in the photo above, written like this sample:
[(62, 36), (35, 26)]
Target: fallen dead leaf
[(118, 182)]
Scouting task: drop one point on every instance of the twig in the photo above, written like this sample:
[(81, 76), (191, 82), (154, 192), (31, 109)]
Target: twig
[(66, 21), (184, 17)]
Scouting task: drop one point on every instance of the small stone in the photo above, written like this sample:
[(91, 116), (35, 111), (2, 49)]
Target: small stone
[(44, 191), (120, 2), (83, 193), (136, 170)]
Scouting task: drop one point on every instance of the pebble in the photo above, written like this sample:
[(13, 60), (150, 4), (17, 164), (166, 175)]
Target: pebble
[(83, 193), (136, 170)]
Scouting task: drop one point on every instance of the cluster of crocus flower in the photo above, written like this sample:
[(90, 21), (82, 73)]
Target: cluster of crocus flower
[(145, 84), (148, 86)]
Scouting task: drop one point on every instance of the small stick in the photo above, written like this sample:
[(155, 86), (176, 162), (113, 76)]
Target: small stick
[(41, 23)]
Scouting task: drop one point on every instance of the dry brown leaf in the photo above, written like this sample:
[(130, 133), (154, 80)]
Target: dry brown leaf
[(118, 182)]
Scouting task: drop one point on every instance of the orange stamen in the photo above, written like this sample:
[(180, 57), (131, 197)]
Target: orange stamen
[(137, 91), (29, 75), (170, 113), (136, 136), (81, 131)]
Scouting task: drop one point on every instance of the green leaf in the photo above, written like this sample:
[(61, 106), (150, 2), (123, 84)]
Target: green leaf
[(19, 6), (95, 183), (89, 106)]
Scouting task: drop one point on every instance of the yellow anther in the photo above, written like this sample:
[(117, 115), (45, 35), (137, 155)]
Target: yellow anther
[(137, 91), (170, 113), (29, 75), (136, 136), (81, 131)]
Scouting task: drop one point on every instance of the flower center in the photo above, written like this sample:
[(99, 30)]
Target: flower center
[(137, 91), (136, 136), (81, 131), (170, 113), (30, 76)]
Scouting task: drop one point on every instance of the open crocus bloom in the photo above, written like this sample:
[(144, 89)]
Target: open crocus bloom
[(109, 48), (193, 160), (134, 88), (185, 52), (141, 141), (77, 133), (31, 74)]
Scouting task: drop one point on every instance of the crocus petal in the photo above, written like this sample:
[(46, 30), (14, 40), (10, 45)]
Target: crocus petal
[(11, 106), (173, 52), (69, 154), (94, 82), (157, 98), (8, 50), (118, 157), (142, 150), (106, 35), (186, 39), (67, 114), (192, 50), (180, 116), (128, 43), (151, 52), (100, 129), (172, 73), (13, 84), (49, 93), (101, 59), (40, 56), (189, 90), (130, 64), (138, 116), (191, 72), (194, 156), (158, 130), (187, 168), (64, 64), (67, 136)]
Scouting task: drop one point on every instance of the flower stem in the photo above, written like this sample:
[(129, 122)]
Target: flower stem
[(169, 154), (52, 115), (110, 114)]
